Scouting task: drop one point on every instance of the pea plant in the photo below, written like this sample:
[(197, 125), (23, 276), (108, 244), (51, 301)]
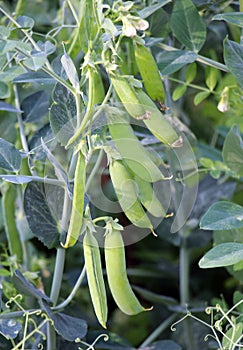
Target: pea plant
[(120, 167)]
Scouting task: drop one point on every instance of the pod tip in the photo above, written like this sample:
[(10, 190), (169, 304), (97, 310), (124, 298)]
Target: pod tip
[(154, 233)]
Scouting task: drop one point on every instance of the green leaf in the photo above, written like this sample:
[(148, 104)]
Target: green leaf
[(11, 73), (40, 209), (27, 288), (4, 90), (34, 77), (233, 151), (170, 62), (178, 92), (222, 216), (232, 335), (25, 22), (10, 328), (230, 17), (224, 254), (10, 158), (63, 114), (8, 107), (200, 96), (187, 25), (149, 10), (191, 72), (233, 56), (4, 32), (36, 61), (69, 327), (212, 75), (35, 106), (238, 297), (11, 45)]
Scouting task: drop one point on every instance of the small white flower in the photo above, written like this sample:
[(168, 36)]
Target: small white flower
[(142, 25), (128, 29)]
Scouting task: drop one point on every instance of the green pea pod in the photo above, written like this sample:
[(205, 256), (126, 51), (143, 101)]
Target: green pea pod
[(125, 189), (117, 277), (148, 198), (133, 153), (78, 203), (139, 105), (14, 241), (96, 87), (149, 73), (95, 277)]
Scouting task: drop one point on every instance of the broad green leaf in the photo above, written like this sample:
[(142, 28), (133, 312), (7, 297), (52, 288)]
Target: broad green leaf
[(222, 216), (8, 107), (170, 62), (224, 254), (11, 73), (233, 56), (10, 328), (4, 90), (212, 75), (10, 158), (201, 96), (233, 151), (39, 214), (4, 32), (187, 25), (27, 288), (63, 114), (69, 327), (35, 106), (238, 297), (232, 336), (36, 61), (47, 47), (11, 45), (230, 17), (178, 92), (45, 134), (25, 22), (149, 10), (191, 72), (34, 77)]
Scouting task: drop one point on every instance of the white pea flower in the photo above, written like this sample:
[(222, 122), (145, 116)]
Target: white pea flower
[(223, 105)]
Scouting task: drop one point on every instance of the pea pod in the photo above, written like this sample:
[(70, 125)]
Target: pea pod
[(133, 153), (78, 202), (148, 198), (139, 105), (149, 73), (95, 277), (117, 277), (14, 241), (125, 189)]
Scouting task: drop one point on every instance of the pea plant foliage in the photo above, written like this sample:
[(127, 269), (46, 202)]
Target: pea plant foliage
[(120, 174)]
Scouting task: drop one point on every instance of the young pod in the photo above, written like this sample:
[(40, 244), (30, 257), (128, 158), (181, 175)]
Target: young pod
[(14, 241), (148, 198), (95, 277), (133, 153), (140, 106), (125, 189), (119, 284), (149, 73), (96, 88), (78, 202)]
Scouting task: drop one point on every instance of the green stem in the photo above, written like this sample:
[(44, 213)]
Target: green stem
[(165, 324), (191, 85), (94, 170), (73, 292), (202, 59), (184, 271)]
